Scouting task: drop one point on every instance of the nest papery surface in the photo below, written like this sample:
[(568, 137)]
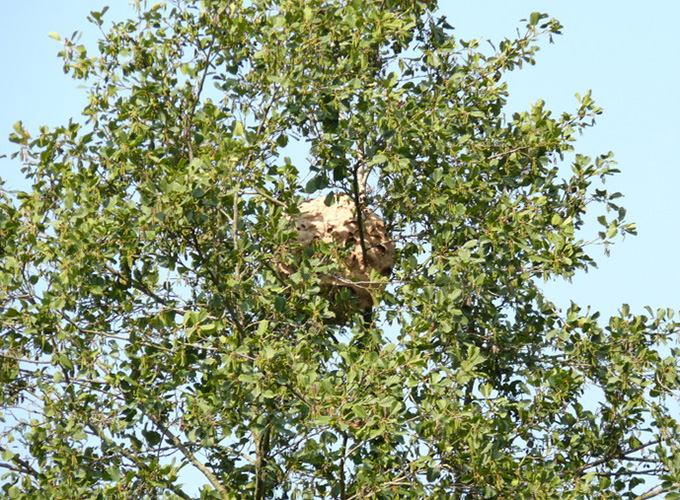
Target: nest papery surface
[(338, 224)]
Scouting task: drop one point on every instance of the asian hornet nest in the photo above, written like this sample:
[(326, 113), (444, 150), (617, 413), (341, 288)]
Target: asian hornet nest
[(338, 224)]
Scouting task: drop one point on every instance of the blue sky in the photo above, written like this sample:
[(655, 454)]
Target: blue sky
[(626, 54)]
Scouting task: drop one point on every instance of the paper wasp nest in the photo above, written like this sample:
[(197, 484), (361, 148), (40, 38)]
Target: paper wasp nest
[(338, 224)]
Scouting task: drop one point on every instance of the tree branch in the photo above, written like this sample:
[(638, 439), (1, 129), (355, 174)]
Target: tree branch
[(23, 466), (214, 481), (651, 494), (343, 493), (620, 456), (262, 446), (199, 89), (358, 192)]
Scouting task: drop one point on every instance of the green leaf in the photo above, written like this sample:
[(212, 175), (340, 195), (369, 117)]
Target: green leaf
[(239, 129), (19, 128), (359, 411), (263, 327), (152, 437), (377, 159), (97, 16), (307, 14)]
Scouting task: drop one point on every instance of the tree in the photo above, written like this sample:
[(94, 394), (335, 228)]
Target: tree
[(149, 337)]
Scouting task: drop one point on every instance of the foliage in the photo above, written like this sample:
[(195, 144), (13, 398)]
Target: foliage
[(148, 341)]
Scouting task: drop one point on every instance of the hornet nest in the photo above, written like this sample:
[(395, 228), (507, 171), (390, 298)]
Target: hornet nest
[(338, 224)]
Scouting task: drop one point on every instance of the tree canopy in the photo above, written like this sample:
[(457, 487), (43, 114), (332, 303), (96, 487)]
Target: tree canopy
[(151, 347)]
